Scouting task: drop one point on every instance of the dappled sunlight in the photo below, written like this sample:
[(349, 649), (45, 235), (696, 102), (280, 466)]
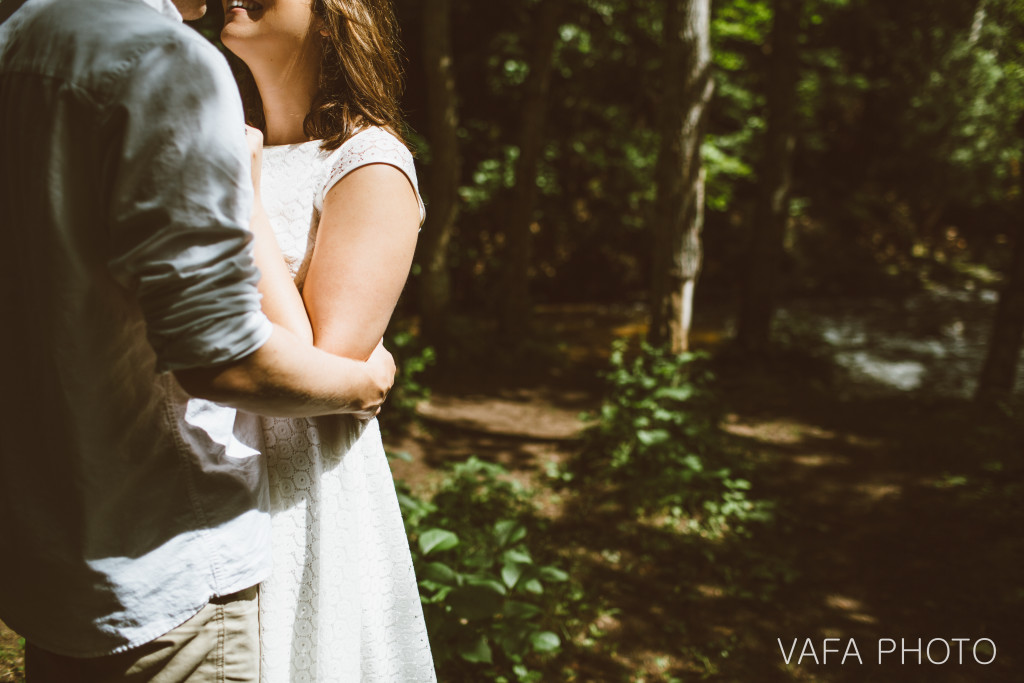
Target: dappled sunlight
[(852, 608), (820, 460), (531, 419), (709, 591), (630, 330), (876, 491), (775, 433), (607, 624)]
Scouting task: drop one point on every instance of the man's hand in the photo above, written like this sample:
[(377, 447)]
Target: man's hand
[(381, 369)]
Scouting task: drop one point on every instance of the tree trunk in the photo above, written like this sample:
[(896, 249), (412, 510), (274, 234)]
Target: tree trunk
[(999, 373), (515, 294), (679, 209), (442, 180), (771, 211)]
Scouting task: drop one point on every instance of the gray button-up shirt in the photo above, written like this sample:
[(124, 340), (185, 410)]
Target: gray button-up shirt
[(124, 207)]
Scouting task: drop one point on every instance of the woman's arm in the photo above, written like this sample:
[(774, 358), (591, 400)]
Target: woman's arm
[(363, 252), (281, 301), (286, 376)]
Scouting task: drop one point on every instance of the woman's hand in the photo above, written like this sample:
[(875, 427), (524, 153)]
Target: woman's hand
[(254, 137), (381, 369)]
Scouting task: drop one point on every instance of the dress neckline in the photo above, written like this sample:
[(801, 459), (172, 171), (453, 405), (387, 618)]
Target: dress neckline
[(292, 145)]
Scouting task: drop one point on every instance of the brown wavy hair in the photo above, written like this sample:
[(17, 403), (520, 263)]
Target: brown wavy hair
[(360, 73)]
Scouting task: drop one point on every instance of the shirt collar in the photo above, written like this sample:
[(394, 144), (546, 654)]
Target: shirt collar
[(165, 7)]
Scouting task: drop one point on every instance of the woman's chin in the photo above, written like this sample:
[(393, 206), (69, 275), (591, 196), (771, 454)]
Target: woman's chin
[(238, 24), (233, 40)]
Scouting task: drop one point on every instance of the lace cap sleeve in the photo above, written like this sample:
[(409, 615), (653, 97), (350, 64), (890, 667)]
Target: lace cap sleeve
[(370, 146)]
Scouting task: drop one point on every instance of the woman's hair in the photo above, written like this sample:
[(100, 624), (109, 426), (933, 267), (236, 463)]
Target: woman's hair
[(360, 75)]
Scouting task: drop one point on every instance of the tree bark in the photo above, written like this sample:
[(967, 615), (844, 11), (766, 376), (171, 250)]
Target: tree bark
[(999, 373), (679, 208), (442, 180), (515, 294), (771, 212)]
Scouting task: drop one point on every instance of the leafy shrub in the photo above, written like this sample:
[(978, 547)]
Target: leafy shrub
[(656, 441), (488, 600), (412, 361)]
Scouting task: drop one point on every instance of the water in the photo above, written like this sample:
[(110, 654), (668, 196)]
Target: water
[(933, 342)]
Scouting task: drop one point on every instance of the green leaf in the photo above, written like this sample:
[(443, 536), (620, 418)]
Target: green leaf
[(510, 573), (534, 586), (516, 609), (516, 555), (680, 394), (439, 573), (489, 584), (399, 455), (440, 596), (475, 602), (545, 641), (478, 652), (437, 539), (508, 531), (649, 437), (553, 574)]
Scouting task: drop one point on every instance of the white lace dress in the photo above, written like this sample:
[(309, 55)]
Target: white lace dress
[(342, 603)]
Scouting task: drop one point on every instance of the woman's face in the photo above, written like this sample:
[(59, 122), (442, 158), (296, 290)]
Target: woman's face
[(268, 31)]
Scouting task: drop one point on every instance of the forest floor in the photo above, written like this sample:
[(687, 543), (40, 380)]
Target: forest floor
[(896, 517)]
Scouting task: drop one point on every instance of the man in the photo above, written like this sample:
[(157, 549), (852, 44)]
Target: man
[(134, 529)]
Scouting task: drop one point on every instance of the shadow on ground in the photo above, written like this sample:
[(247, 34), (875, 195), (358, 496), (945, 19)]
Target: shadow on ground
[(896, 519)]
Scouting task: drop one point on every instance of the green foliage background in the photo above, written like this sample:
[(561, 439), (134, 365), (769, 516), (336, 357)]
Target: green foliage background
[(908, 127)]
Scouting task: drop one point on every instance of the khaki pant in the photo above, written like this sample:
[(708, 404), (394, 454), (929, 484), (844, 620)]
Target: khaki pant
[(217, 645)]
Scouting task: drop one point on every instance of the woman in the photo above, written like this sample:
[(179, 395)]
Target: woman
[(339, 189)]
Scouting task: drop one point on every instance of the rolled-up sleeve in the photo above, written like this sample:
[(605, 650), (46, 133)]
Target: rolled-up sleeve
[(180, 204)]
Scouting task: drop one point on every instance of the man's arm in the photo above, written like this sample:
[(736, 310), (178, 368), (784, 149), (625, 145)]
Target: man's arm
[(180, 199), (287, 377)]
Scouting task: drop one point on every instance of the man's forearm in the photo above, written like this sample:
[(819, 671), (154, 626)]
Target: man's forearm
[(287, 377)]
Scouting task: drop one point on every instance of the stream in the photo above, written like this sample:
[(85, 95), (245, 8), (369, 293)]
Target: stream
[(933, 342)]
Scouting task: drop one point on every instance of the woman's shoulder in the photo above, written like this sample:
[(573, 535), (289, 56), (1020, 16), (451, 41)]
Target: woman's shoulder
[(372, 141), (370, 145)]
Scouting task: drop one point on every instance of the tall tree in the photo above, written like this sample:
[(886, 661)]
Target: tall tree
[(771, 211), (442, 181), (515, 294), (999, 373), (687, 89)]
